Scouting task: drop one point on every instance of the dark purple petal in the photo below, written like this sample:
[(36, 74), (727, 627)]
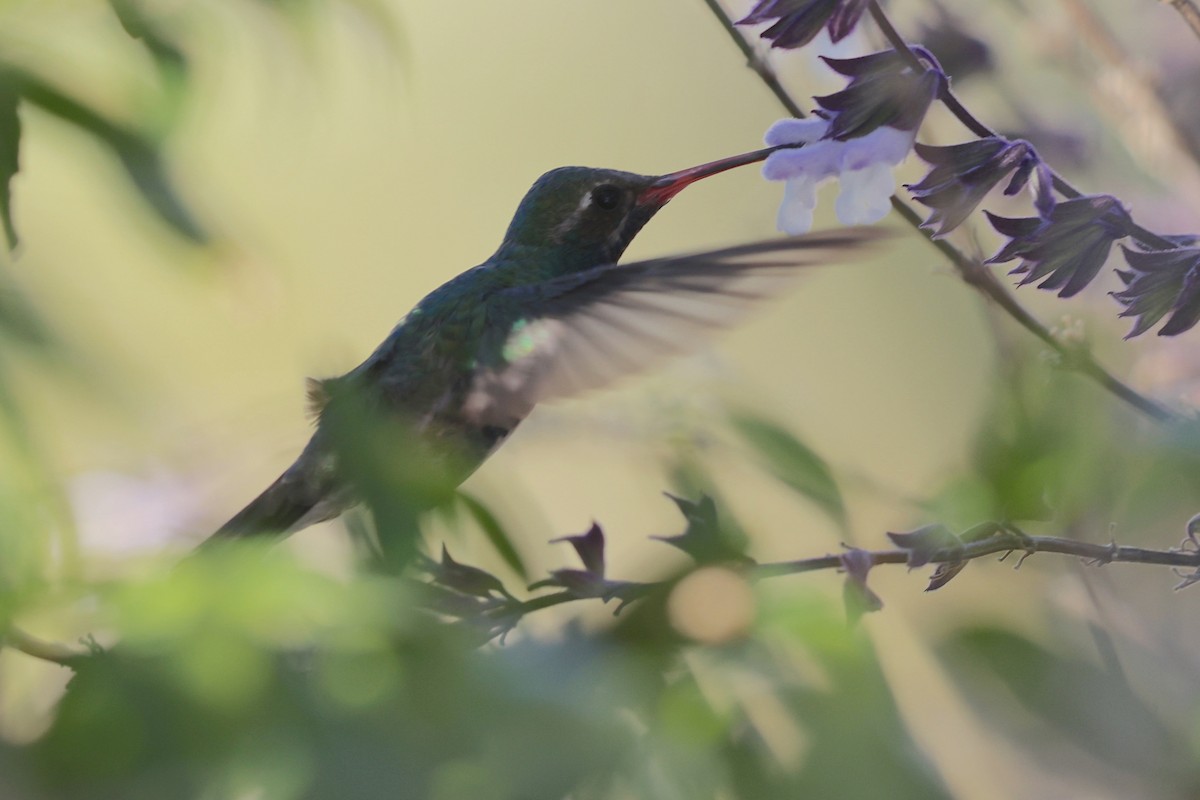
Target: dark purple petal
[(963, 174), (1161, 282), (870, 65), (859, 597), (884, 90), (1065, 248), (771, 9), (1014, 227), (796, 30), (1183, 319), (847, 15), (799, 21), (590, 547)]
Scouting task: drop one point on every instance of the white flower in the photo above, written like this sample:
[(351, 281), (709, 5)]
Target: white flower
[(863, 166)]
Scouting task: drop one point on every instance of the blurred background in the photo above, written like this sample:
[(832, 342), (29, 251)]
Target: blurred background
[(216, 200)]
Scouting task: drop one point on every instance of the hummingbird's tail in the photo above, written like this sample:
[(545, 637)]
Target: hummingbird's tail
[(305, 494), (276, 511)]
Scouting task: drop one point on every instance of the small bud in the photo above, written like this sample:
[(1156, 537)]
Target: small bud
[(857, 595)]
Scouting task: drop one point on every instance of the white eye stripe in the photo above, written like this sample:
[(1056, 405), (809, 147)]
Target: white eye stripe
[(570, 222)]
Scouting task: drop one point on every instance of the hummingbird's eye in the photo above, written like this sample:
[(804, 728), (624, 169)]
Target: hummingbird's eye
[(606, 196)]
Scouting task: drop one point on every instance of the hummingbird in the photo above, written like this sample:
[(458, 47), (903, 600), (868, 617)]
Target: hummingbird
[(550, 314)]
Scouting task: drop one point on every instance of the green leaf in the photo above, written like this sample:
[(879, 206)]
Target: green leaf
[(704, 539), (10, 146), (794, 463), (170, 59), (495, 533), (138, 154), (21, 323), (1090, 706)]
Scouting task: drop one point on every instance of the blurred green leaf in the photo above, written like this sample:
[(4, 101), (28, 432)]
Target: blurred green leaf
[(396, 490), (1095, 708), (440, 719), (171, 61), (1037, 454), (138, 155), (704, 538), (380, 16), (20, 322), (10, 148), (495, 533), (794, 463), (841, 726)]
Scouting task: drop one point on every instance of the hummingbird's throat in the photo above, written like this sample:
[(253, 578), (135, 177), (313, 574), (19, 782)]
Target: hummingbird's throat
[(671, 184)]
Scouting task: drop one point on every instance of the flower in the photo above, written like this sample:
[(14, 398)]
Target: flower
[(798, 21), (860, 134), (963, 174), (1066, 245), (1161, 282)]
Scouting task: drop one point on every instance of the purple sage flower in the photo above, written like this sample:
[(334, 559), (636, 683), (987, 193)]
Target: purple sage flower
[(859, 136), (1158, 283), (963, 174), (798, 21), (1067, 245)]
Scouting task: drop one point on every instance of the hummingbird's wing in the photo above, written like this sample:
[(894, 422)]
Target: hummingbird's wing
[(599, 325)]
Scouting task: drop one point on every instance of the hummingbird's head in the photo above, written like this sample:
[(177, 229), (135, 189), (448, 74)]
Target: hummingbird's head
[(593, 214)]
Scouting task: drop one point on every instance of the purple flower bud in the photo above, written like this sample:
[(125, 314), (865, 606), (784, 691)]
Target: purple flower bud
[(1161, 282), (1067, 245), (963, 174), (589, 581), (801, 20), (590, 547)]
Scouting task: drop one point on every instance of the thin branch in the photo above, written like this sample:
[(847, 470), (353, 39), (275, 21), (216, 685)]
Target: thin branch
[(500, 615), (1190, 13), (968, 268), (1003, 542), (53, 652)]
